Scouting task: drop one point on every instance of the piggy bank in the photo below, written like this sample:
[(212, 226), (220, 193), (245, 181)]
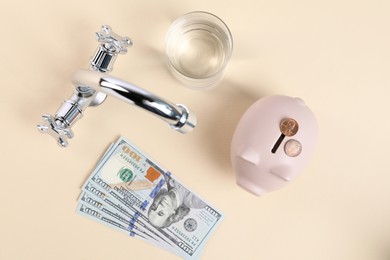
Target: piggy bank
[(272, 143)]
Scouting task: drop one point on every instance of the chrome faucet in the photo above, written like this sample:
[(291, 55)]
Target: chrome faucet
[(93, 85)]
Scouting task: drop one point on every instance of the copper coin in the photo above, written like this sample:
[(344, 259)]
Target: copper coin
[(289, 127)]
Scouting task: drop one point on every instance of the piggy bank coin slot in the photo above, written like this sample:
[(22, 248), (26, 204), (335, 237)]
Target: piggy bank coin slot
[(288, 127)]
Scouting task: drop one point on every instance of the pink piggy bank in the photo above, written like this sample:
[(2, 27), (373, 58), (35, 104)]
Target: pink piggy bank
[(272, 143)]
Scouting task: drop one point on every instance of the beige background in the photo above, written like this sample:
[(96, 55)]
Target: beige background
[(333, 54)]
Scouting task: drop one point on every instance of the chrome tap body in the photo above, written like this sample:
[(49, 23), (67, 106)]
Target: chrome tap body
[(93, 85)]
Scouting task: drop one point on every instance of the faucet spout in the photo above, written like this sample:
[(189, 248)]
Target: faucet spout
[(177, 116), (91, 89), (93, 85)]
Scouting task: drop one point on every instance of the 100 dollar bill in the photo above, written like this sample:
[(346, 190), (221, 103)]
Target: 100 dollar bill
[(97, 196), (131, 178), (97, 210)]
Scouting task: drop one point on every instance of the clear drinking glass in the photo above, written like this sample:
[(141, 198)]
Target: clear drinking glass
[(198, 46)]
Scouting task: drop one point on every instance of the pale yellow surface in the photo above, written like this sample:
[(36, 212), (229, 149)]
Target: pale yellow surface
[(333, 54)]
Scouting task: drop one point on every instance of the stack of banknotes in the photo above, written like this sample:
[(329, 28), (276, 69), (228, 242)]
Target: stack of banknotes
[(131, 193)]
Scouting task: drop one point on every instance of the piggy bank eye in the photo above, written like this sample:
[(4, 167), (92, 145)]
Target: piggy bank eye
[(293, 148)]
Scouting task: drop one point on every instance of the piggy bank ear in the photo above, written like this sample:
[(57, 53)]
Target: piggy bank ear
[(284, 172), (250, 155)]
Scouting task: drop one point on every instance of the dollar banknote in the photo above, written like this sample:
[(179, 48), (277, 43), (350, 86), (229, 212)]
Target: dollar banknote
[(106, 210), (127, 225), (133, 190), (104, 200)]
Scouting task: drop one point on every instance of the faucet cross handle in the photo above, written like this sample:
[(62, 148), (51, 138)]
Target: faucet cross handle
[(112, 41), (111, 45), (57, 129)]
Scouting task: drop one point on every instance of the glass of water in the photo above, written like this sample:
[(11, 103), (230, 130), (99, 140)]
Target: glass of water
[(198, 46)]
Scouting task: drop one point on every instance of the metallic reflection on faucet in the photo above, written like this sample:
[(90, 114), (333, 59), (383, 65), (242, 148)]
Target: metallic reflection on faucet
[(93, 85)]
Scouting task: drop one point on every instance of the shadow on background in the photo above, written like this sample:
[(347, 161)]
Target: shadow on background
[(219, 123)]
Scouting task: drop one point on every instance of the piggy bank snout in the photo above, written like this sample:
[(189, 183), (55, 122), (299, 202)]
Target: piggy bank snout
[(255, 174), (252, 156)]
